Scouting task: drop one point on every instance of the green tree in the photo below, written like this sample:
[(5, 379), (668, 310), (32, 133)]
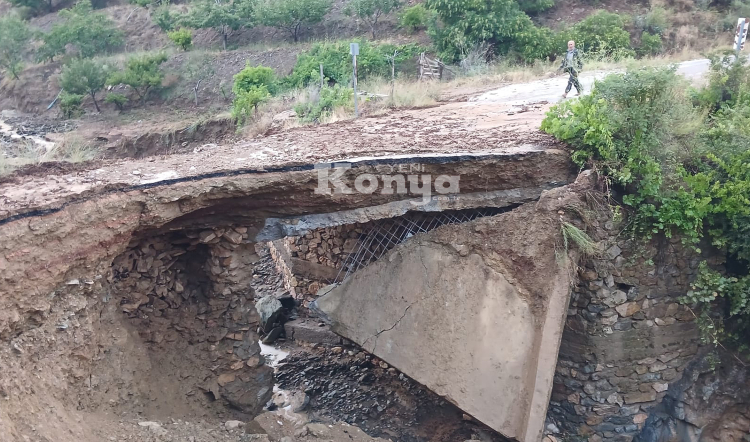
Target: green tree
[(14, 39), (465, 24), (142, 74), (84, 76), (291, 15), (224, 16), (90, 32), (370, 11), (182, 38)]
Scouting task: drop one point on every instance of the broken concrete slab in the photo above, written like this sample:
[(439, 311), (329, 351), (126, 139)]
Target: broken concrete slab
[(473, 311)]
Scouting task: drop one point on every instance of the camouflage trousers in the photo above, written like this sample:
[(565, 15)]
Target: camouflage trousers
[(573, 81)]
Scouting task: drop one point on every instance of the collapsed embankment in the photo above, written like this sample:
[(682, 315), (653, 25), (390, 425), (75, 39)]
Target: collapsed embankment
[(132, 300)]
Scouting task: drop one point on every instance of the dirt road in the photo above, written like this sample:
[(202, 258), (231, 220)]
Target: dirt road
[(504, 120), (551, 89)]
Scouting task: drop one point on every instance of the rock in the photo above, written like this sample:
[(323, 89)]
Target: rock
[(613, 252), (640, 418), (308, 331), (660, 386), (226, 378), (619, 297), (233, 425), (628, 309), (207, 236), (273, 335), (233, 237), (638, 398), (155, 427), (268, 308)]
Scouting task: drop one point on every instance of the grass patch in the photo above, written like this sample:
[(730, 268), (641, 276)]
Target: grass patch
[(72, 149)]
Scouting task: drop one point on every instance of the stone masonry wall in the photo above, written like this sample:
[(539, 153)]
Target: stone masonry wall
[(189, 294), (627, 339)]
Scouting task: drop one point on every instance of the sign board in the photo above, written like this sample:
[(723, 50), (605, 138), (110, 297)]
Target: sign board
[(354, 48), (740, 34)]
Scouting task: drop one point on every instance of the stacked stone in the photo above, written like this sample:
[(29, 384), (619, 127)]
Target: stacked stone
[(329, 246), (627, 339), (195, 287), (147, 275)]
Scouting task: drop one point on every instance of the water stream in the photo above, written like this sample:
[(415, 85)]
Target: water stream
[(7, 130)]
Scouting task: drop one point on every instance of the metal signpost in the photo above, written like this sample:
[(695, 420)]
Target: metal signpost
[(354, 50), (740, 36)]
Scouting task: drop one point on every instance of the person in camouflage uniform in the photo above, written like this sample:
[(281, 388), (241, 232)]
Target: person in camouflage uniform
[(572, 64)]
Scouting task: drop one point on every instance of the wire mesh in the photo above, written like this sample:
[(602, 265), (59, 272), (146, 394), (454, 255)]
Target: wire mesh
[(380, 236)]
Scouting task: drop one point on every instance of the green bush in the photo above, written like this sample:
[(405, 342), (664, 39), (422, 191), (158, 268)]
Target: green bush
[(337, 63), (324, 102), (183, 38), (678, 160), (142, 3), (535, 6), (254, 77), (246, 102), (650, 45), (90, 32), (656, 21), (119, 100), (142, 74), (163, 18), (600, 34), (70, 105), (414, 17)]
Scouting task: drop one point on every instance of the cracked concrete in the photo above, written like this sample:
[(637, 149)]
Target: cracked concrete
[(473, 311)]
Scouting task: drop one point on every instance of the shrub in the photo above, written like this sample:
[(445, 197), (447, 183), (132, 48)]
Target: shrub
[(70, 105), (535, 6), (337, 63), (324, 102), (183, 38), (142, 74), (163, 18), (119, 100), (14, 41), (679, 166), (90, 32), (246, 103), (650, 44), (255, 77), (602, 33), (656, 21), (84, 76), (415, 17)]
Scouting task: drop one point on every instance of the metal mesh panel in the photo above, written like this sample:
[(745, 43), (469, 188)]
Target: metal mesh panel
[(378, 237)]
